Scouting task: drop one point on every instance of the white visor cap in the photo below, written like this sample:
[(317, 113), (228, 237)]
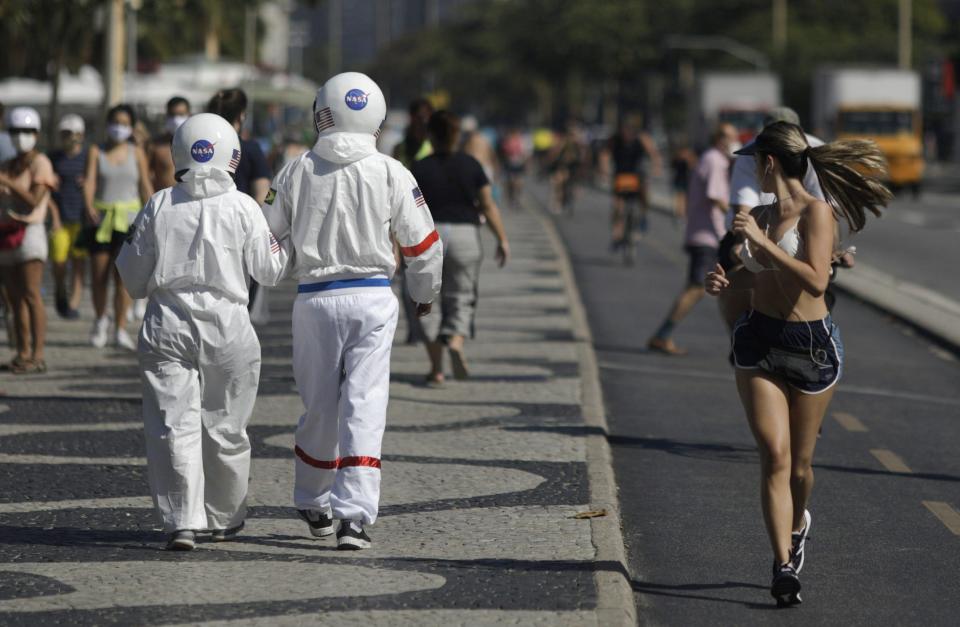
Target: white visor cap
[(23, 117), (349, 103), (206, 139), (73, 123)]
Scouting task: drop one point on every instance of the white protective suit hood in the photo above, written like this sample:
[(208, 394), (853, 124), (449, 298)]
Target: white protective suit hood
[(345, 147), (206, 181)]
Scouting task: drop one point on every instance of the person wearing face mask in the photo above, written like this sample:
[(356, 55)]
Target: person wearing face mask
[(25, 184), (707, 202), (66, 212), (161, 157), (117, 186), (189, 251)]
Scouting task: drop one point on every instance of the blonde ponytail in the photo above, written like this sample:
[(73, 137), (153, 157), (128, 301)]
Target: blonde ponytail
[(851, 173)]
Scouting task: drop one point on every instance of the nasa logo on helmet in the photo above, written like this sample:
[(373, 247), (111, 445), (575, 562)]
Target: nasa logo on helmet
[(356, 99), (201, 151)]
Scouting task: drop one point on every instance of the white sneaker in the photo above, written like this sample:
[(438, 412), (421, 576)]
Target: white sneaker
[(139, 308), (98, 334), (125, 341)]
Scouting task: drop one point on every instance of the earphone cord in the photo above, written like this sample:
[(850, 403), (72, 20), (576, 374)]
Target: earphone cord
[(793, 311)]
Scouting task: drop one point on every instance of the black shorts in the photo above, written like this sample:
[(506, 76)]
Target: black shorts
[(702, 261), (113, 246), (808, 356)]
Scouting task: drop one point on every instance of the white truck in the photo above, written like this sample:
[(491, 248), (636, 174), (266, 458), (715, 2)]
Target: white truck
[(740, 98), (882, 104)]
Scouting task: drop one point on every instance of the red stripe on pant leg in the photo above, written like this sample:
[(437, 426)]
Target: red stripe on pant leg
[(422, 247), (371, 462), (316, 463)]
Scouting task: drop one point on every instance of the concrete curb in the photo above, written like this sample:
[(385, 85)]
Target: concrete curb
[(615, 601)]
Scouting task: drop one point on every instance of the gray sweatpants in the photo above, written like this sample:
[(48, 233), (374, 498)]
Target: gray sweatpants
[(462, 255)]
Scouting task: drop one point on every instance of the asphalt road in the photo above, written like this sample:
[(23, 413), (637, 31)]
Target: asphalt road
[(688, 472)]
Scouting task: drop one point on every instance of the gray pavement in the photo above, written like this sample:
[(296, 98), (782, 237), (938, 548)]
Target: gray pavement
[(482, 481), (886, 527)]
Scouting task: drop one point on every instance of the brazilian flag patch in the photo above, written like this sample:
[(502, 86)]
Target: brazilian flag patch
[(271, 196)]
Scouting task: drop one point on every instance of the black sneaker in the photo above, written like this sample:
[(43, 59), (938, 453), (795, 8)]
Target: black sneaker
[(786, 585), (352, 537), (225, 535), (799, 539), (183, 540), (321, 523)]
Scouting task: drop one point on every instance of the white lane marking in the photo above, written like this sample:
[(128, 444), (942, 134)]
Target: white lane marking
[(728, 378), (849, 422), (890, 460), (945, 355), (13, 458), (15, 429), (947, 515)]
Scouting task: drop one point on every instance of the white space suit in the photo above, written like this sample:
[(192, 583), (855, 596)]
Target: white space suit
[(190, 251), (341, 204)]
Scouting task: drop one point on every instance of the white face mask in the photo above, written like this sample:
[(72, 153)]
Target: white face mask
[(173, 123), (24, 142), (119, 132)]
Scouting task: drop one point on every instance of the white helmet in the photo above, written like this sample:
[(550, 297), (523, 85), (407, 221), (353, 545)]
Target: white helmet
[(206, 139), (350, 102), (23, 117), (73, 123)]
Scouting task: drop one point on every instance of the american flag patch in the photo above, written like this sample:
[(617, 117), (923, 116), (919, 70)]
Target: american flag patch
[(323, 119), (274, 244), (235, 159), (418, 197)]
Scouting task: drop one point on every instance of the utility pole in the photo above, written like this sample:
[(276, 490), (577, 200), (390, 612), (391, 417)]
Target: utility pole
[(905, 38), (335, 23), (779, 27), (115, 50), (131, 34)]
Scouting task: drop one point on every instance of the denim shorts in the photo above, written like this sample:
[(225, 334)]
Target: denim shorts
[(808, 356)]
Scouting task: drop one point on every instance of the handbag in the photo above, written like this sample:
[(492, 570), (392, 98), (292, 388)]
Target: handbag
[(11, 235)]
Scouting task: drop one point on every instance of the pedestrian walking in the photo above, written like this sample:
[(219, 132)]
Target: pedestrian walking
[(514, 155), (25, 184), (252, 176), (564, 160), (67, 215), (787, 349), (161, 155), (707, 203), (189, 252), (343, 204), (458, 192), (117, 185)]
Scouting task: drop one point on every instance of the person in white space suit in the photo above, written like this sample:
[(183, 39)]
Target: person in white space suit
[(343, 205), (190, 251)]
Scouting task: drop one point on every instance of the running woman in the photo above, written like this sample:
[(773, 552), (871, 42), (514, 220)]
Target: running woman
[(343, 205), (787, 349)]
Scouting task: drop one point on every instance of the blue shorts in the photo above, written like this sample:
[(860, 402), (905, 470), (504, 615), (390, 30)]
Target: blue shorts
[(808, 356)]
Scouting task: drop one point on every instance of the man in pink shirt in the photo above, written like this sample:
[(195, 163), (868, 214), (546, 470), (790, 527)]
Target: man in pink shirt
[(707, 203)]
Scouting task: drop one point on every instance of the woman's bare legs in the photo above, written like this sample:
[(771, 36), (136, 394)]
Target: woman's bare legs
[(13, 280), (435, 353), (121, 300), (99, 281), (766, 402), (806, 415), (32, 277)]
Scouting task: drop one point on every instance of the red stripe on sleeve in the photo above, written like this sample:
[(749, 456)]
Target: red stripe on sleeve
[(422, 247)]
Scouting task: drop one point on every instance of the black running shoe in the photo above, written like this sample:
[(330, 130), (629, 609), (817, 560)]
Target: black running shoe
[(225, 535), (799, 539), (321, 523), (352, 537), (786, 585), (183, 540)]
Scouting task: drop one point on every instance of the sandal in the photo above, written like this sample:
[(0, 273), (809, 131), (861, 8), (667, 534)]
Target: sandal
[(30, 366)]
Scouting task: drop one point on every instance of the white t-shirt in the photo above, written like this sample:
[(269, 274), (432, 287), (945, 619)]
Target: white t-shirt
[(745, 190)]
